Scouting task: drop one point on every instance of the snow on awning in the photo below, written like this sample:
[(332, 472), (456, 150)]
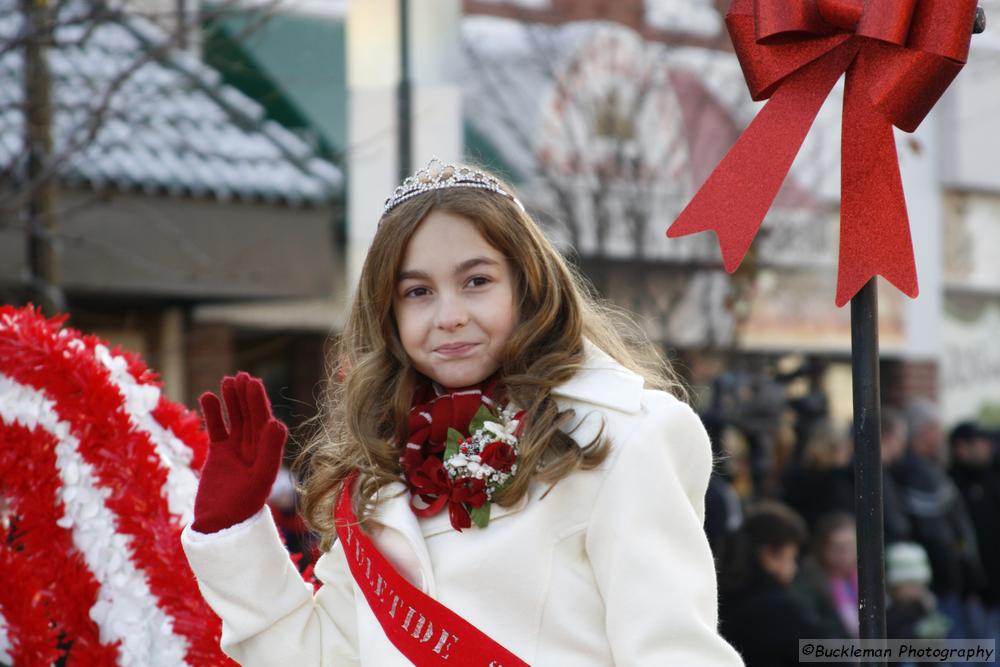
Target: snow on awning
[(131, 112)]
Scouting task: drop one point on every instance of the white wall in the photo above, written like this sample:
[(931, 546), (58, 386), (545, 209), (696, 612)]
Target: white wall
[(971, 114), (969, 124), (372, 79), (918, 164)]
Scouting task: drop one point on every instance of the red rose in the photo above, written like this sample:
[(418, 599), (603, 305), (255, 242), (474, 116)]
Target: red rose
[(430, 478), (498, 455), (469, 490), (429, 482)]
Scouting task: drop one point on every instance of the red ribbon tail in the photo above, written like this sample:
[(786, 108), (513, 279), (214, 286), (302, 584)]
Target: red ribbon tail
[(874, 226), (430, 510), (736, 197)]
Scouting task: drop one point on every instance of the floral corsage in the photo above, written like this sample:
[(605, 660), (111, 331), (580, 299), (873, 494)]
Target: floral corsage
[(471, 471)]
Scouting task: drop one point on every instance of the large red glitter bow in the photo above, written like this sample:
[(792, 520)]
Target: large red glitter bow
[(899, 55)]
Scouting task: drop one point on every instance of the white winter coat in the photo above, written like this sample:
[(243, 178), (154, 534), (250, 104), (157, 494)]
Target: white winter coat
[(611, 567)]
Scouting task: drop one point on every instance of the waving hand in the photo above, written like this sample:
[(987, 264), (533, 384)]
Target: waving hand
[(243, 458)]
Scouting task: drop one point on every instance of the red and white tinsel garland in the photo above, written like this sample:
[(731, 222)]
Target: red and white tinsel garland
[(96, 482)]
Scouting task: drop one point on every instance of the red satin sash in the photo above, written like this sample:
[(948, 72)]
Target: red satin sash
[(423, 629)]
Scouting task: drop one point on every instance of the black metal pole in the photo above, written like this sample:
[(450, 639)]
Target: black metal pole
[(868, 464), (405, 116), (868, 452)]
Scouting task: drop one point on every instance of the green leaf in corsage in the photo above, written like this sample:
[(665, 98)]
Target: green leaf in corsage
[(482, 416), (481, 515), (451, 444)]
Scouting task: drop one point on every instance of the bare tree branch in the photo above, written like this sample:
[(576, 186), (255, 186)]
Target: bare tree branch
[(87, 130), (622, 191)]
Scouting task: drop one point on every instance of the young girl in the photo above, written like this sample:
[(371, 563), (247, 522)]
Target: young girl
[(509, 479), (828, 579)]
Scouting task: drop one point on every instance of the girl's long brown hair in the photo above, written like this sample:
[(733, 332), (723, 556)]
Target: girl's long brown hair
[(363, 409)]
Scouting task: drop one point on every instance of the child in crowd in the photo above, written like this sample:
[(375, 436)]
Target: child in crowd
[(912, 609), (761, 615)]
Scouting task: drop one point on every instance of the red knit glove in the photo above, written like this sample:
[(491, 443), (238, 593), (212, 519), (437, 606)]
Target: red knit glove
[(242, 461)]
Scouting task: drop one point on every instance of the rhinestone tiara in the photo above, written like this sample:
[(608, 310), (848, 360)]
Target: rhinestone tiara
[(437, 175)]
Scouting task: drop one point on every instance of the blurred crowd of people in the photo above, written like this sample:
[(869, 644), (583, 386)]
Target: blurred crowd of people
[(780, 518)]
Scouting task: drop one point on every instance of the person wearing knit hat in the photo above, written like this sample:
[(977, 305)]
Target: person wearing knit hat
[(906, 563), (938, 517), (912, 609)]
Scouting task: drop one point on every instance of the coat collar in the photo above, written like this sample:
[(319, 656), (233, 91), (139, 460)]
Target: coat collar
[(600, 381), (603, 381)]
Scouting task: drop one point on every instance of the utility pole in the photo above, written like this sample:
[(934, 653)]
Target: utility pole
[(40, 211), (405, 94), (181, 12)]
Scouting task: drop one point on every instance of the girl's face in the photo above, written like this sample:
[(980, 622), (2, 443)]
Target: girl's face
[(454, 301)]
